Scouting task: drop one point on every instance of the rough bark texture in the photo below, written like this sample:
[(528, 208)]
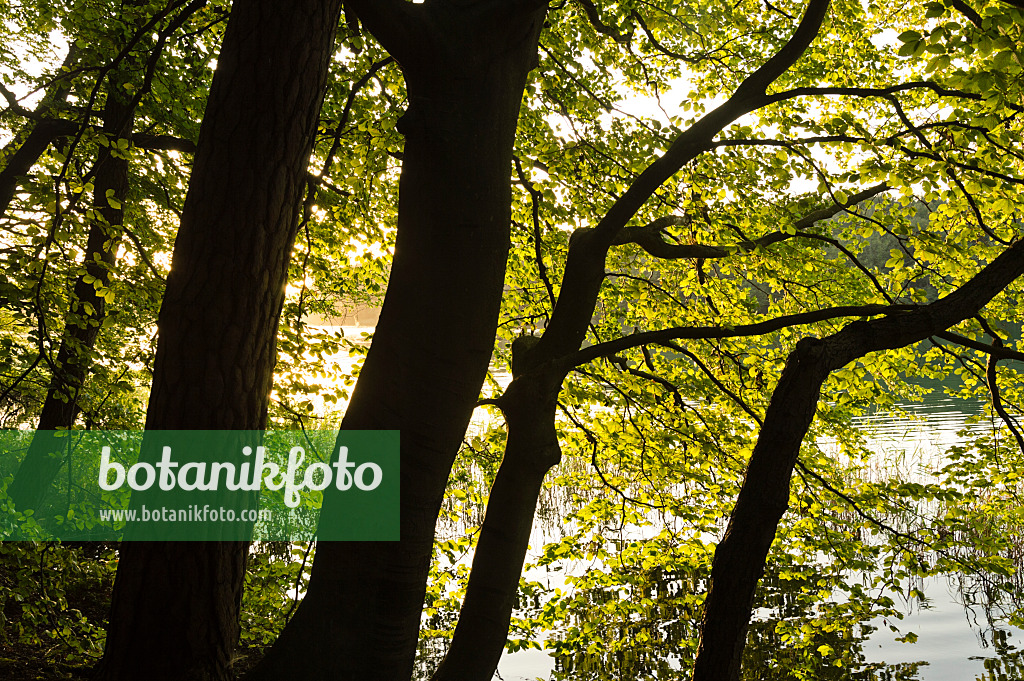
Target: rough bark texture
[(740, 557), (465, 71), (529, 403), (175, 605), (82, 323)]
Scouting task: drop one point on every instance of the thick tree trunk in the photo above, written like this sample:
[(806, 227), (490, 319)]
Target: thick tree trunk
[(532, 444), (740, 557), (87, 310), (175, 605), (465, 78)]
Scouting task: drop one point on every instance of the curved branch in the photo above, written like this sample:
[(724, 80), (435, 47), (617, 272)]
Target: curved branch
[(885, 92), (997, 351), (395, 23), (991, 379), (633, 340), (749, 96), (594, 17), (764, 497), (584, 269)]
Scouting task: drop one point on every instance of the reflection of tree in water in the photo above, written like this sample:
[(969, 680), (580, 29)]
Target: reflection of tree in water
[(1009, 668), (630, 623), (1007, 665), (658, 640), (624, 622), (635, 613)]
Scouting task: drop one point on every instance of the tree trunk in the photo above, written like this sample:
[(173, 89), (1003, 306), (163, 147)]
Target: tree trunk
[(532, 446), (175, 607), (22, 156), (741, 555), (530, 451), (85, 316), (465, 77)]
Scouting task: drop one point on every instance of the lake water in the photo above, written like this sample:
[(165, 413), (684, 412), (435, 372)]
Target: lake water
[(955, 641)]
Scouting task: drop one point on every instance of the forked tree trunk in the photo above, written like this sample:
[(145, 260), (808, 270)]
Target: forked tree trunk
[(176, 605), (540, 366), (465, 75)]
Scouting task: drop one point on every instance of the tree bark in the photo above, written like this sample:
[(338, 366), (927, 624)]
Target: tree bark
[(741, 555), (465, 72), (532, 446), (176, 605)]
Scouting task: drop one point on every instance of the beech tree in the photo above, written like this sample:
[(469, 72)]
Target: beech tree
[(125, 83), (218, 320), (364, 600), (710, 249)]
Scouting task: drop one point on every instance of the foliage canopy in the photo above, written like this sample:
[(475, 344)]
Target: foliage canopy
[(729, 208)]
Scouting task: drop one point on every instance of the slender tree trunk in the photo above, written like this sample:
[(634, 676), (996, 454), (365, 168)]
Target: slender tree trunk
[(19, 157), (432, 345), (530, 451), (482, 628), (175, 607), (87, 310), (741, 555)]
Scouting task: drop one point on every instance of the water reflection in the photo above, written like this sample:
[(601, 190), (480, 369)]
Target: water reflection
[(659, 643), (635, 616)]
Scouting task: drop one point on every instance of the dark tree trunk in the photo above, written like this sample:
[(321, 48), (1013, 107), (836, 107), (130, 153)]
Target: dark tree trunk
[(85, 316), (540, 366), (465, 74), (530, 451), (175, 605), (741, 555)]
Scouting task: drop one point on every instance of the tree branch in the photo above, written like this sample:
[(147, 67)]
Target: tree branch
[(594, 17), (881, 92), (991, 379), (13, 104), (395, 23), (714, 379), (740, 557), (633, 340), (997, 351), (649, 237), (584, 269), (163, 143), (968, 11), (748, 96)]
